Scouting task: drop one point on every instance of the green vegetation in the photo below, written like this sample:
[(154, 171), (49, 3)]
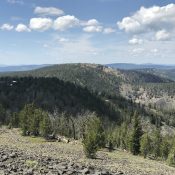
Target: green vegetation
[(145, 145), (171, 157), (51, 94), (136, 136), (94, 137), (31, 163), (90, 76), (83, 101), (34, 121), (97, 78), (165, 73)]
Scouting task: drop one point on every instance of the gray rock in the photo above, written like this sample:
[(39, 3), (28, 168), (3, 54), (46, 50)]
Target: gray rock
[(29, 172), (85, 171), (13, 162), (4, 158), (13, 155)]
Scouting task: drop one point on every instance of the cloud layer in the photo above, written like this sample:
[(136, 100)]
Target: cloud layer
[(7, 27), (48, 11), (45, 20), (157, 20)]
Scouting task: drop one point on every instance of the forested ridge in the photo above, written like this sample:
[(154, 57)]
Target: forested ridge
[(97, 78), (52, 94)]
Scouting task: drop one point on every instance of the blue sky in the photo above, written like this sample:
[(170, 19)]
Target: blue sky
[(93, 31)]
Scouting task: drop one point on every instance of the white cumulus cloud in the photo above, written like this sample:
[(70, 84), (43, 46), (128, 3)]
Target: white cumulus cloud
[(64, 22), (48, 11), (92, 29), (154, 19), (91, 22), (7, 27), (40, 24), (22, 28), (135, 41), (162, 35), (91, 26)]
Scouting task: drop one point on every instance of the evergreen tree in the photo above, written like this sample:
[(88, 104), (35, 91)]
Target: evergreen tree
[(171, 156), (165, 148), (136, 136), (110, 146), (93, 137), (26, 116), (35, 121), (45, 125), (145, 145), (14, 120), (156, 144), (2, 115), (124, 136)]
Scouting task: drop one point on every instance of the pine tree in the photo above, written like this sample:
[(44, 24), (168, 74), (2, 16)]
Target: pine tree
[(26, 118), (2, 115), (93, 137), (136, 136), (35, 121), (157, 141), (171, 156), (14, 120), (124, 136), (145, 145), (45, 125), (165, 148)]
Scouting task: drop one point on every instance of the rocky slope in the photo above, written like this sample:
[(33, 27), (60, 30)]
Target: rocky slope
[(26, 155), (17, 162)]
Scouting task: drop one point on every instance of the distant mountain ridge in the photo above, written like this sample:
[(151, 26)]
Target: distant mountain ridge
[(124, 66), (8, 68), (131, 66)]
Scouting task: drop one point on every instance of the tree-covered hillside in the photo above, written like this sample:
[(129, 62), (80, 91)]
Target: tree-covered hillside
[(105, 83), (97, 78), (52, 94), (165, 73)]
